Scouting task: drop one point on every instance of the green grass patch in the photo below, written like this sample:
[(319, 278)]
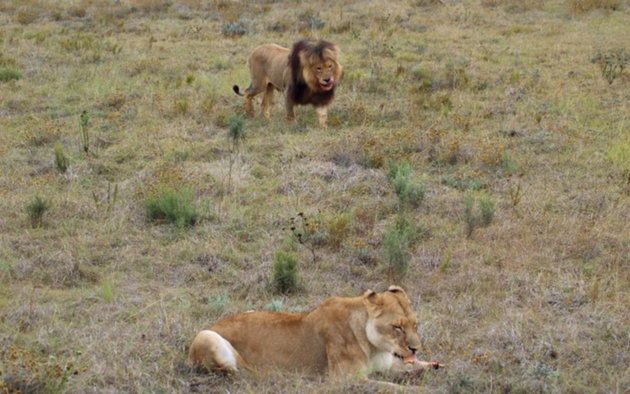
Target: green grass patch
[(36, 210), (9, 74), (285, 276), (174, 206)]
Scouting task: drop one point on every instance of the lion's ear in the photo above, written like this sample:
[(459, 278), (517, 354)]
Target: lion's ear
[(395, 289)]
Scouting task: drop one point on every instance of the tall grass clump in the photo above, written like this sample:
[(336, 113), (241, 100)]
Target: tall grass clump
[(9, 74), (397, 247), (478, 212), (175, 206), (36, 210), (285, 276), (408, 190), (619, 155), (62, 162), (84, 119)]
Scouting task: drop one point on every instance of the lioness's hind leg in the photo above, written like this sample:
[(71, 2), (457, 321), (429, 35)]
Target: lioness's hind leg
[(267, 101), (213, 352)]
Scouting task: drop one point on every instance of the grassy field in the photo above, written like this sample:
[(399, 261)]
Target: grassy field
[(478, 155)]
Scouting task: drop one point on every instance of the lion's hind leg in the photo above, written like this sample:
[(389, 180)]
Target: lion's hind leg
[(267, 100), (213, 352)]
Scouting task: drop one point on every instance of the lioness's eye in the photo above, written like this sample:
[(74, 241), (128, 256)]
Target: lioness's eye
[(397, 328)]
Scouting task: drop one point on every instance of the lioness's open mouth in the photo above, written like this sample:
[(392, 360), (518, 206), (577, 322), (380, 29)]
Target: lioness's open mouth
[(410, 359)]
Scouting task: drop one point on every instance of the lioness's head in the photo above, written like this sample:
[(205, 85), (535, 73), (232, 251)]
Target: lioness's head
[(320, 65), (392, 326)]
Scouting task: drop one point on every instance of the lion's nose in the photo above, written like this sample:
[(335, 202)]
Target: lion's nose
[(413, 349), (327, 80)]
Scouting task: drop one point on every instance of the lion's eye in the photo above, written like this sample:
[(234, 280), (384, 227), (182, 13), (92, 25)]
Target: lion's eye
[(397, 327)]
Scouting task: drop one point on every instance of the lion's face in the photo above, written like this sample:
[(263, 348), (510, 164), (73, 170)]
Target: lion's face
[(392, 326), (321, 71)]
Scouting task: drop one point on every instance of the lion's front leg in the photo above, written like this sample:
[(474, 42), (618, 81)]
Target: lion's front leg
[(289, 106), (322, 115)]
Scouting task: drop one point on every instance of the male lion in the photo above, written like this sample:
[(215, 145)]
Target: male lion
[(343, 336), (307, 74)]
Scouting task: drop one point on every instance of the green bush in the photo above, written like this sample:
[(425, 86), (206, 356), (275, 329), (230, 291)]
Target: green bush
[(397, 245), (8, 74), (62, 162), (236, 125), (285, 272), (36, 210), (174, 206), (408, 191), (478, 212)]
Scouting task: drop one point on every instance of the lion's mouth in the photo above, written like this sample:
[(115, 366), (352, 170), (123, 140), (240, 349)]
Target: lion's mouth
[(327, 85)]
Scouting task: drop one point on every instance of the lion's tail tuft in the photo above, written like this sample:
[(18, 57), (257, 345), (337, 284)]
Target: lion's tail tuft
[(237, 90)]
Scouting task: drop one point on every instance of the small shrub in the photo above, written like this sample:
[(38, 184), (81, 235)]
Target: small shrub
[(310, 20), (516, 194), (455, 76), (84, 119), (582, 6), (612, 62), (478, 213), (181, 107), (9, 74), (208, 103), (26, 15), (236, 29), (619, 155), (285, 272), (217, 304), (236, 127), (397, 244), (36, 210), (408, 191), (175, 206), (62, 162), (338, 229), (307, 232), (276, 305)]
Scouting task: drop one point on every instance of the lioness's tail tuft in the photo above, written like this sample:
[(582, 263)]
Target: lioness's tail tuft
[(236, 90), (212, 351)]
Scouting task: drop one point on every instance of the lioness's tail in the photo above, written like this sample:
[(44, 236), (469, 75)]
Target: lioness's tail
[(236, 90), (214, 352)]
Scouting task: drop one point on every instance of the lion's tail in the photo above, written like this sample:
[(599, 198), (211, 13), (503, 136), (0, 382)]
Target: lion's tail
[(237, 90), (211, 350)]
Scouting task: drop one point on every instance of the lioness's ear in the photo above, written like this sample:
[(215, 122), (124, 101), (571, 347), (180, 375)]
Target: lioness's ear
[(372, 297), (369, 293), (395, 289)]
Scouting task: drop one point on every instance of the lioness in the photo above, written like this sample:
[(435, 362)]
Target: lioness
[(307, 74), (343, 336)]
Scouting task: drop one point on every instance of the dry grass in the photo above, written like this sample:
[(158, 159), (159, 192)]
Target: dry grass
[(96, 297)]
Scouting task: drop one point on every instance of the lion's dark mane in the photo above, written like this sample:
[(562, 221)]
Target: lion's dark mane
[(299, 91)]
